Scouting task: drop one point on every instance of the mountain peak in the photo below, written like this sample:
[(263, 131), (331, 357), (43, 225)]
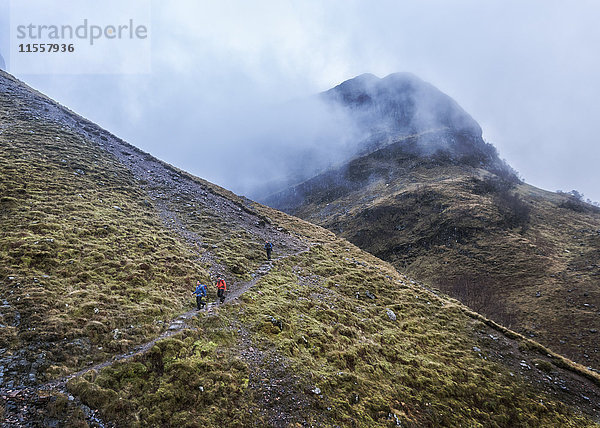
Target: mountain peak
[(401, 104)]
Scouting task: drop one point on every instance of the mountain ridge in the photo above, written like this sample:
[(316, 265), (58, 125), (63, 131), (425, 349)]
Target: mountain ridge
[(455, 216)]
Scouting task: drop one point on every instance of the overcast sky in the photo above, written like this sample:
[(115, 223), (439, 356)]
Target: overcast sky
[(527, 71)]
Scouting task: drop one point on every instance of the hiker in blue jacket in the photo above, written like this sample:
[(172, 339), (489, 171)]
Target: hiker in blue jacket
[(201, 292), (268, 248)]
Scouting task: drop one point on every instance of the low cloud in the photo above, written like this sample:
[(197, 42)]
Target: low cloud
[(527, 72)]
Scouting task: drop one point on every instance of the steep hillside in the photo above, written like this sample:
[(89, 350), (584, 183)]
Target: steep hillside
[(522, 256), (101, 245)]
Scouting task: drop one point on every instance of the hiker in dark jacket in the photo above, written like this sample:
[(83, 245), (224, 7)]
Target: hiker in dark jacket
[(221, 288), (268, 249), (201, 293)]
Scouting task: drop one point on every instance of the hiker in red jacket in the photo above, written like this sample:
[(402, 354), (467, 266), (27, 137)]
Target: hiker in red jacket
[(221, 288)]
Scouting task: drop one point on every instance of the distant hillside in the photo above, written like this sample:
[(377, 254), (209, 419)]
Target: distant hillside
[(102, 244), (441, 206)]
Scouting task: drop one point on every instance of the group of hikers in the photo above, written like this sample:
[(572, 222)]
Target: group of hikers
[(202, 290)]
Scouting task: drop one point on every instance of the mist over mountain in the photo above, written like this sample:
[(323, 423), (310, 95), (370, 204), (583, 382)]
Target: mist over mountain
[(400, 109), (306, 137), (399, 104)]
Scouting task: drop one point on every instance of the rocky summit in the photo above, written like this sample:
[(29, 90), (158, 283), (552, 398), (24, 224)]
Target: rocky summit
[(400, 104)]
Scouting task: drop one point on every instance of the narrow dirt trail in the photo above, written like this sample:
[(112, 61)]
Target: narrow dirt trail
[(17, 414), (175, 326)]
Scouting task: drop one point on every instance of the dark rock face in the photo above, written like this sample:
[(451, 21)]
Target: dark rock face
[(400, 104), (397, 117), (391, 162), (358, 117)]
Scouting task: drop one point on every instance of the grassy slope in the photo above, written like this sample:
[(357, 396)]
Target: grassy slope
[(81, 269), (421, 369), (92, 261), (443, 224), (87, 266)]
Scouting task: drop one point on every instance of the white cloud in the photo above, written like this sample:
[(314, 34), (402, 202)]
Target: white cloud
[(526, 70)]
